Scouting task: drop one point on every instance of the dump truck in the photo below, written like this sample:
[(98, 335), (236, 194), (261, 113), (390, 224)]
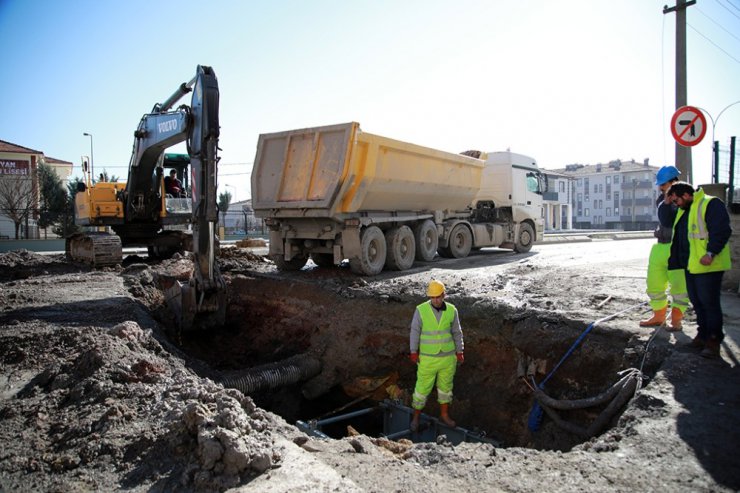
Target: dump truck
[(336, 192)]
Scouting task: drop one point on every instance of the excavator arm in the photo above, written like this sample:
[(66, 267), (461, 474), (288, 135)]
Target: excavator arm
[(201, 302)]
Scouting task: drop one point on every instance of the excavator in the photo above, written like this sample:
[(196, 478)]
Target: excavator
[(141, 213)]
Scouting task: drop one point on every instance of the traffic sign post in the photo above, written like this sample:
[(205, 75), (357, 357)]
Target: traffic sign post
[(688, 126)]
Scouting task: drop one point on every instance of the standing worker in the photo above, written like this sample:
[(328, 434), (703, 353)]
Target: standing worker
[(701, 235), (436, 343), (659, 276)]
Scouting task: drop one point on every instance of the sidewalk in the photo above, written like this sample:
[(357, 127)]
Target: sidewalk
[(573, 236)]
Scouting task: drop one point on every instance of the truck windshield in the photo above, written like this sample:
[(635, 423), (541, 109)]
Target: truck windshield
[(533, 183)]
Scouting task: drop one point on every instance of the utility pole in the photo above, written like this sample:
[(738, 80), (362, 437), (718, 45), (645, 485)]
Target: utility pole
[(683, 154)]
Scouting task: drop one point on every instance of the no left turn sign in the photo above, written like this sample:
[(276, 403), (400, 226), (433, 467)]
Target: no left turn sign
[(688, 125)]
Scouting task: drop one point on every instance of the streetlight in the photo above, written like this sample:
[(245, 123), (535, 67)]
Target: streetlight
[(714, 124), (92, 172)]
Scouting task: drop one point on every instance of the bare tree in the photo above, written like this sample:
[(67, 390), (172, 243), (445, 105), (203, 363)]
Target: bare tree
[(17, 200)]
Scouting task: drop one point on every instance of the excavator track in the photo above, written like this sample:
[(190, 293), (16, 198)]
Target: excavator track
[(96, 249)]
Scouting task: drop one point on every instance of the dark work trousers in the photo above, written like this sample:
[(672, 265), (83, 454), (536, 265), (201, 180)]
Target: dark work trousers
[(704, 293)]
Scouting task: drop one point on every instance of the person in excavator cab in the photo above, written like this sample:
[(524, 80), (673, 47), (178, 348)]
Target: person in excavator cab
[(659, 277), (436, 346), (172, 185)]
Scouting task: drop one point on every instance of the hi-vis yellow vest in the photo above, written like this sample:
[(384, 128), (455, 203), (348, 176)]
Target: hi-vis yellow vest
[(699, 237), (436, 337)]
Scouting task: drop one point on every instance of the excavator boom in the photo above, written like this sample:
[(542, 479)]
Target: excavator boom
[(201, 302)]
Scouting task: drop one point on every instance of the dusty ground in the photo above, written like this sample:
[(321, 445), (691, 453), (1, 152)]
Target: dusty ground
[(93, 396)]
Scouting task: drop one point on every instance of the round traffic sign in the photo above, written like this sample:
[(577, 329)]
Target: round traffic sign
[(688, 125)]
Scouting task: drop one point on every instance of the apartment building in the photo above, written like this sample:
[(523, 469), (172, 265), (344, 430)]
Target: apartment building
[(618, 195)]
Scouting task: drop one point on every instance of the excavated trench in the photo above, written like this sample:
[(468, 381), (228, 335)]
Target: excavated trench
[(358, 341)]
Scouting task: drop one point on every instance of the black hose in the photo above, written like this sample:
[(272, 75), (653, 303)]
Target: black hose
[(273, 375)]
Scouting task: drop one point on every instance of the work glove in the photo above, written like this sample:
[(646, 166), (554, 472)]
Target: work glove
[(414, 357), (460, 357)]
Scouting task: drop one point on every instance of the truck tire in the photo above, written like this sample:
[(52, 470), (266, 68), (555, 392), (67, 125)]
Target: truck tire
[(323, 259), (525, 239), (461, 241), (400, 248), (427, 238), (296, 263), (372, 253)]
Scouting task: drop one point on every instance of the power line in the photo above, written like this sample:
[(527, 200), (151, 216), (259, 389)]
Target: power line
[(731, 5), (730, 11), (718, 24), (715, 44)]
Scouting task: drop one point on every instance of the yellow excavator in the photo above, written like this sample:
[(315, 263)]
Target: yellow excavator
[(141, 212)]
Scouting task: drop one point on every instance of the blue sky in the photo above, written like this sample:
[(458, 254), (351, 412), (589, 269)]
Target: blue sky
[(570, 81)]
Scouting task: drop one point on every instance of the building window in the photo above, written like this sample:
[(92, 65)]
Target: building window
[(601, 188), (601, 204), (616, 211), (579, 197), (586, 212), (608, 195), (578, 182), (608, 180), (562, 186), (596, 188), (608, 211), (616, 179)]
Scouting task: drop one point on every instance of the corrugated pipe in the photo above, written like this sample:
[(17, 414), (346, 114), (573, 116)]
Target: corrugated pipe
[(273, 375)]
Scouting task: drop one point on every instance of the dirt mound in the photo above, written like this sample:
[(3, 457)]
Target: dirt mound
[(112, 405)]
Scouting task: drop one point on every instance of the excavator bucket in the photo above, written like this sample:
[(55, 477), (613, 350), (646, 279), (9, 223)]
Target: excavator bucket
[(194, 307)]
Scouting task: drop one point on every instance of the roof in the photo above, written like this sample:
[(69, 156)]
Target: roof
[(51, 160), (616, 166), (552, 172), (10, 147)]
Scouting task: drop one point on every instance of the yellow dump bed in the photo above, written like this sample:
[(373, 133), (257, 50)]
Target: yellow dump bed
[(337, 170)]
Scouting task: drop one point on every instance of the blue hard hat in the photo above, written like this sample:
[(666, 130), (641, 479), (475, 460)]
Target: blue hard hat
[(666, 174)]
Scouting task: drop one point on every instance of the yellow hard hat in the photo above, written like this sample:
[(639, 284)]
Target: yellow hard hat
[(435, 288)]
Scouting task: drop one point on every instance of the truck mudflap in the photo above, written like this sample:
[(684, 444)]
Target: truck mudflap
[(96, 249), (196, 305)]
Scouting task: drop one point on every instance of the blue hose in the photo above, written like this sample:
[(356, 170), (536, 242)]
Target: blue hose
[(535, 415)]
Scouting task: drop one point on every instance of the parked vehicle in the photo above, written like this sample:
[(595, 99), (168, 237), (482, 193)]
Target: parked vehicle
[(335, 192)]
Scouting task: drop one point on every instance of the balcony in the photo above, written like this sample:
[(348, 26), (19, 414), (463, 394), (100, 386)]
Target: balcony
[(639, 218), (640, 201)]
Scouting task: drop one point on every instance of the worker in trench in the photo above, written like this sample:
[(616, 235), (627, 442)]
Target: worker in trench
[(436, 346), (659, 276)]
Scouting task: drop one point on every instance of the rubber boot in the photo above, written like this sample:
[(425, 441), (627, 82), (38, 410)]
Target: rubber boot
[(415, 420), (711, 349), (658, 318), (676, 318), (444, 415)]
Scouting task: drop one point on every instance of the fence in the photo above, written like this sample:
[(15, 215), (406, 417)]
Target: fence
[(726, 169)]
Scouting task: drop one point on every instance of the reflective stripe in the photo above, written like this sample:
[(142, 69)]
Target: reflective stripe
[(418, 401), (657, 296), (441, 354), (701, 223), (444, 397), (436, 332)]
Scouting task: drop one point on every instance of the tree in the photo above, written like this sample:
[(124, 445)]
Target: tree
[(17, 199), (53, 199), (65, 224), (103, 177), (224, 200)]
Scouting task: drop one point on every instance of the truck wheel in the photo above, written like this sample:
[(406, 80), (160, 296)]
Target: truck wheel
[(427, 238), (525, 239), (461, 241), (296, 263), (400, 247), (372, 253), (323, 259)]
